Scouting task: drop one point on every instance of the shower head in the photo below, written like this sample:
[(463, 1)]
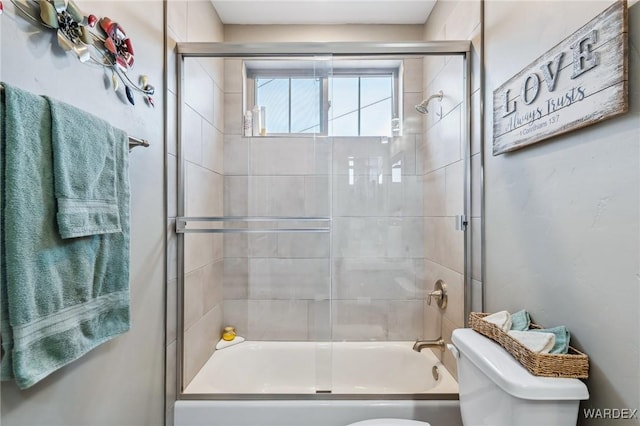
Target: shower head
[(422, 106)]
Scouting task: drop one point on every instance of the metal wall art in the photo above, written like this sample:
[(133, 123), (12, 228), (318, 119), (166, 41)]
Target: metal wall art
[(98, 41)]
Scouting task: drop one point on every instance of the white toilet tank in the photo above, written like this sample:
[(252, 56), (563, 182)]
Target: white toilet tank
[(495, 390)]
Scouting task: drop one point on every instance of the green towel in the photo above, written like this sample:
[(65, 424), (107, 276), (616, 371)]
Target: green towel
[(84, 172), (563, 336), (6, 338), (520, 321), (62, 298)]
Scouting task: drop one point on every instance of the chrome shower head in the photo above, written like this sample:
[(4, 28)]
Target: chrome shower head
[(422, 106)]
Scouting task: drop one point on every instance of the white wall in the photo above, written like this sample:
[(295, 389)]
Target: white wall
[(562, 233), (323, 33), (120, 382)]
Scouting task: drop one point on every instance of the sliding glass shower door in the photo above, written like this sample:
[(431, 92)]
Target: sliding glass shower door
[(320, 199), (263, 217)]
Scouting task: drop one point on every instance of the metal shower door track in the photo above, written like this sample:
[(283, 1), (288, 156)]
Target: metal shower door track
[(200, 50)]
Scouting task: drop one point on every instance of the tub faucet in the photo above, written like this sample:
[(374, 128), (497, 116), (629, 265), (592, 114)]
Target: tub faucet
[(419, 345)]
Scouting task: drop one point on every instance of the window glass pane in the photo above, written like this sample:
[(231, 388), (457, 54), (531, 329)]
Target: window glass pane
[(273, 93), (305, 105), (347, 125), (375, 119), (376, 108), (343, 114), (375, 89)]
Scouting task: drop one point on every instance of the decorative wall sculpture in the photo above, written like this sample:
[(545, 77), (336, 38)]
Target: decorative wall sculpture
[(94, 40)]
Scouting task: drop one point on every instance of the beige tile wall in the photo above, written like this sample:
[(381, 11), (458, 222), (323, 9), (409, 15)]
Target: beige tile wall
[(377, 242), (204, 189), (270, 280), (443, 187), (444, 169), (203, 133), (378, 230)]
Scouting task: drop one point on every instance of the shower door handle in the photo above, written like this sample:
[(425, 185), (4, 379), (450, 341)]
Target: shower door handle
[(461, 223)]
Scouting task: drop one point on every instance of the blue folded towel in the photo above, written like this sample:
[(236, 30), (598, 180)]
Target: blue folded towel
[(60, 298), (563, 337), (520, 321), (84, 172)]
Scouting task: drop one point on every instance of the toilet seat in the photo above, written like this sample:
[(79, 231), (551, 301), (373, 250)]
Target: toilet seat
[(389, 422)]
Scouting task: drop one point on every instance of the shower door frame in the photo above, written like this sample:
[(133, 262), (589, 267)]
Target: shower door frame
[(307, 49)]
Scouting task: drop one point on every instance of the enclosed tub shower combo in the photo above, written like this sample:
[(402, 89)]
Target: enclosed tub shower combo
[(321, 196)]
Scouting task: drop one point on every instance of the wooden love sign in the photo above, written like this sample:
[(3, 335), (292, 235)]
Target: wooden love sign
[(581, 81)]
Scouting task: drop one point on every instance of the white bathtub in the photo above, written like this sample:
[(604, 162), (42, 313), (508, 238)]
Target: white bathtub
[(366, 380)]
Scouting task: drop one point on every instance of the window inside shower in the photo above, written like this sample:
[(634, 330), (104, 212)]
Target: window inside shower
[(360, 98), (332, 227)]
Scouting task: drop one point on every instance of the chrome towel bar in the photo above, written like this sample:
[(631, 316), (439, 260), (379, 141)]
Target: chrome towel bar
[(133, 141)]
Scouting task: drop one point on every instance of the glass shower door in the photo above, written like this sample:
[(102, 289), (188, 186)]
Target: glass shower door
[(269, 214), (325, 222), (397, 191)]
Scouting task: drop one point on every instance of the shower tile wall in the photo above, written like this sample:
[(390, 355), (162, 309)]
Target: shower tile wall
[(443, 171), (277, 286), (194, 21), (443, 196), (378, 228), (203, 131)]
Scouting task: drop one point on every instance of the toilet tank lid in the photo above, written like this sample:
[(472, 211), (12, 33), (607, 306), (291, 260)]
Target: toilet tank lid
[(389, 422), (506, 372)]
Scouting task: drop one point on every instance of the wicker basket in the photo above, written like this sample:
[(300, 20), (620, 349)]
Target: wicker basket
[(574, 364)]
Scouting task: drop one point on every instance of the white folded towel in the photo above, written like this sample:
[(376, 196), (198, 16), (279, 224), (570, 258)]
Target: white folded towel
[(502, 319), (535, 341), (226, 343)]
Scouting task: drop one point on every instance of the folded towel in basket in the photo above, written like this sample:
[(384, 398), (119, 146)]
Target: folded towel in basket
[(501, 319), (562, 337), (534, 340), (520, 320)]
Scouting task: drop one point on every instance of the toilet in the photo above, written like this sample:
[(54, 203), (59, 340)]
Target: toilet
[(496, 390)]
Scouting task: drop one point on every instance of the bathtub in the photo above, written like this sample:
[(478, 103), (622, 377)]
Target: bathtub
[(318, 384)]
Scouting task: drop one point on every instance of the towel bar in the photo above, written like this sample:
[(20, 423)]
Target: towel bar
[(183, 222), (133, 141)]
